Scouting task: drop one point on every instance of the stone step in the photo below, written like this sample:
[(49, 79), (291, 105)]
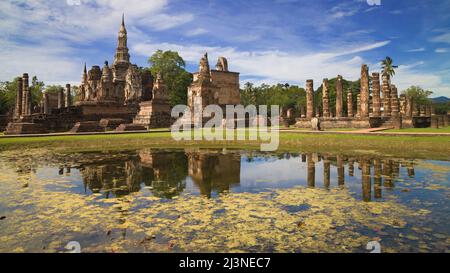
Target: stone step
[(87, 126)]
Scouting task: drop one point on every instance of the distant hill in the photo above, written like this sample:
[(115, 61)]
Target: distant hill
[(440, 100)]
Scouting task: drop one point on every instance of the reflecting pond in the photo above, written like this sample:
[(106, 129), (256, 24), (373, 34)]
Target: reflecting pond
[(196, 200)]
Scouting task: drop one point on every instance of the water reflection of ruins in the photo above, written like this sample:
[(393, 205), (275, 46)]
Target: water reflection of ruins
[(166, 173), (163, 173), (376, 174)]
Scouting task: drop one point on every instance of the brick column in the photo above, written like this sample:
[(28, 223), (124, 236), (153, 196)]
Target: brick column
[(19, 99), (365, 93), (310, 99), (394, 101), (26, 97), (326, 98), (339, 98), (68, 96), (358, 106), (376, 94), (350, 103), (61, 98)]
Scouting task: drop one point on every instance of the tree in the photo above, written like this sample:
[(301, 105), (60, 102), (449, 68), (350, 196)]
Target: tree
[(418, 95), (388, 66), (172, 68), (248, 94)]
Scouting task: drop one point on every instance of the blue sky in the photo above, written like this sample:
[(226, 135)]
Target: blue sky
[(270, 41)]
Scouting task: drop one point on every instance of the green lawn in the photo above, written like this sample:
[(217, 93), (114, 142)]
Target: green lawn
[(397, 146), (422, 130)]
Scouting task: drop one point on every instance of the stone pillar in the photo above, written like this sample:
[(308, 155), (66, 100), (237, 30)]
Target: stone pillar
[(394, 102), (423, 111), (402, 105), (339, 96), (26, 96), (387, 174), (435, 122), (410, 170), (19, 99), (409, 107), (366, 180), (376, 94), (351, 168), (377, 179), (68, 96), (311, 171), (61, 98), (326, 98), (46, 104), (358, 106), (365, 93), (326, 173), (310, 99), (385, 89), (350, 103), (340, 170)]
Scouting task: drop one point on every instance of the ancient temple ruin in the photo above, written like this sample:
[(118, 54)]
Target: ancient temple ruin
[(214, 86), (377, 105), (108, 96)]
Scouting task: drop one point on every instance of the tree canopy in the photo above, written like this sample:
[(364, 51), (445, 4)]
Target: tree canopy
[(172, 68), (388, 66), (418, 95)]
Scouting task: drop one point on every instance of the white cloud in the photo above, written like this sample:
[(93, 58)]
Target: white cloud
[(161, 22), (442, 50), (442, 38), (196, 32), (89, 21), (274, 65), (345, 9), (50, 62), (408, 75), (421, 49)]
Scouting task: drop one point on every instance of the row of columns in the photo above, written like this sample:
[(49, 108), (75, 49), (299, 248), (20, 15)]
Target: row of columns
[(384, 95), (23, 105), (23, 98)]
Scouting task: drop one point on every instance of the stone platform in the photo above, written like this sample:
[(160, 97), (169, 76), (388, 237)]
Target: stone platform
[(25, 128), (357, 123), (154, 114)]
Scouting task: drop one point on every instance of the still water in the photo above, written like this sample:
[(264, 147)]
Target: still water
[(222, 201)]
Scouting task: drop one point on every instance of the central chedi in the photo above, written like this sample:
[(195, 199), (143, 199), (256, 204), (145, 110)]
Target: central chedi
[(123, 83)]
